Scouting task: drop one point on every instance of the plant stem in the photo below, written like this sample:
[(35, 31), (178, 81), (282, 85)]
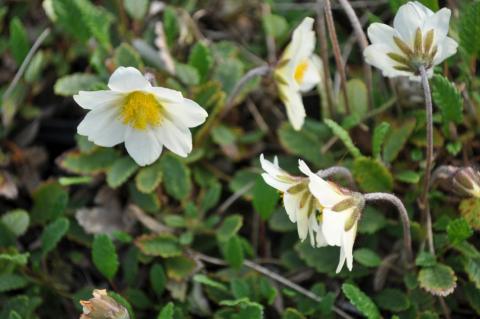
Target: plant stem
[(280, 279), (426, 217), (363, 43), (322, 39), (407, 240), (337, 53), (340, 171)]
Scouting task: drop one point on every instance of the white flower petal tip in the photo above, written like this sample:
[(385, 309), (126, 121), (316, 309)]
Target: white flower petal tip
[(418, 38), (298, 72), (145, 118)]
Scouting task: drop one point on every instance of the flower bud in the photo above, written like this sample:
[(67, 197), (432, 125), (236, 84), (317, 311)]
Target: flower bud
[(102, 306), (466, 180)]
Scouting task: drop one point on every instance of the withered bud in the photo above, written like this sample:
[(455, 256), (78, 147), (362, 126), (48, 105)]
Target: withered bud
[(102, 306), (466, 181)]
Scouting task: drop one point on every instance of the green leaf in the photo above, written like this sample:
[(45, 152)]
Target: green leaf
[(158, 280), (164, 245), (36, 67), (469, 209), (439, 280), (148, 178), (96, 161), (358, 101), (149, 202), (230, 226), (361, 301), (201, 59), (228, 73), (291, 313), (472, 268), (265, 198), (211, 197), (233, 251), (49, 202), (18, 41), (170, 25), (120, 171), (124, 302), (367, 257), (396, 140), (126, 55), (448, 99), (425, 259), (167, 311), (204, 280), (180, 268), (322, 259), (178, 176), (472, 294), (392, 300), (70, 84), (104, 256), (223, 135), (187, 74), (372, 175), (379, 135), (408, 176), (137, 9), (16, 221), (10, 282), (343, 135), (469, 28), (274, 25), (458, 230), (15, 258), (53, 233)]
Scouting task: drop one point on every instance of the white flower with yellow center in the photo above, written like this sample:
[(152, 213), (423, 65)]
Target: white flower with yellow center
[(418, 37), (299, 203), (298, 71), (146, 118), (341, 210)]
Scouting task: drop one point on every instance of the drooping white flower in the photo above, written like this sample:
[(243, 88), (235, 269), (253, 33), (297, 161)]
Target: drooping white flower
[(103, 306), (341, 211), (299, 203), (146, 118), (298, 71), (418, 37)]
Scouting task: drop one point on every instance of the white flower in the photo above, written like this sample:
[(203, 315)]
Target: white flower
[(298, 71), (299, 203), (103, 306), (146, 118), (418, 37), (341, 210)]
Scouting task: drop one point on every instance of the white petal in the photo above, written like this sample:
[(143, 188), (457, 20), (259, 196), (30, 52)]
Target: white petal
[(166, 95), (333, 224), (311, 77), (142, 146), (275, 183), (440, 23), (376, 55), (326, 194), (302, 222), (174, 137), (321, 241), (294, 105), (127, 79), (102, 126), (347, 244), (271, 168), (341, 260), (303, 42), (312, 227), (90, 100), (187, 112), (292, 205), (445, 50), (380, 33), (409, 18), (303, 167)]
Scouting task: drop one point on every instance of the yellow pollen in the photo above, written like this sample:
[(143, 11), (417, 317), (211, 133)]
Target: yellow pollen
[(141, 110), (300, 71)]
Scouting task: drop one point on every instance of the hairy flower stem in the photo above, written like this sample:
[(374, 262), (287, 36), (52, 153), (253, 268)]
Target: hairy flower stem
[(339, 171), (426, 216), (407, 240), (336, 51), (363, 43)]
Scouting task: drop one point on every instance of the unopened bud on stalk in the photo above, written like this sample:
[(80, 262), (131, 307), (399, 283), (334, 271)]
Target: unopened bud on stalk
[(102, 306), (466, 180)]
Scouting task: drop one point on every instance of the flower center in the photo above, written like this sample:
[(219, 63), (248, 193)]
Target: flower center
[(141, 110), (300, 71), (412, 57)]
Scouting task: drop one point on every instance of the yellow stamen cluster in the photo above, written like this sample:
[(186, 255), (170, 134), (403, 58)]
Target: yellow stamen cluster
[(141, 110), (300, 71)]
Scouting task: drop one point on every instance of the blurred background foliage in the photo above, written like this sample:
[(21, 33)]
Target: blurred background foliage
[(75, 216)]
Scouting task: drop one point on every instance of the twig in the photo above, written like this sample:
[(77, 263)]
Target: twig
[(272, 275), (336, 51), (230, 200), (363, 43), (147, 221), (25, 63), (407, 240), (426, 217), (322, 37)]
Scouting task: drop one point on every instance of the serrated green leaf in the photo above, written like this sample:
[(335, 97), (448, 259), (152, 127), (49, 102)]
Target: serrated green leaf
[(10, 282), (163, 245), (167, 311), (53, 233), (176, 176), (104, 256), (469, 28), (96, 161), (126, 55), (343, 135), (16, 221), (18, 41), (439, 280), (233, 251), (458, 230), (70, 84), (379, 135), (448, 99), (158, 280), (472, 268), (291, 313), (393, 300), (265, 198), (204, 280), (49, 202), (201, 59), (149, 202), (361, 301), (180, 268), (322, 259), (120, 171), (137, 9), (425, 259), (469, 209), (15, 258), (396, 140), (230, 226), (372, 175), (148, 178), (367, 257)]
